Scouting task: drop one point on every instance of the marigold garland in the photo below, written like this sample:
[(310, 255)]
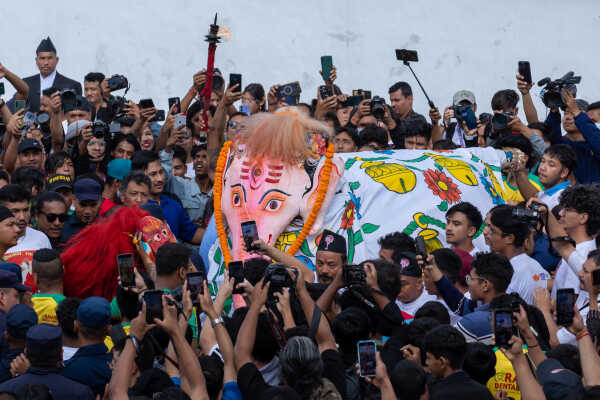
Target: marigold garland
[(310, 220)]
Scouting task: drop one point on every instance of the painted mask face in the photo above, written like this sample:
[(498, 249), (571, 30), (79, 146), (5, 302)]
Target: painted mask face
[(155, 233), (273, 194)]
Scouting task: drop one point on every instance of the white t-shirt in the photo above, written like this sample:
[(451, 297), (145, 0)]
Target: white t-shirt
[(566, 337), (566, 272), (22, 253), (412, 307), (69, 352), (190, 172), (528, 274), (551, 196)]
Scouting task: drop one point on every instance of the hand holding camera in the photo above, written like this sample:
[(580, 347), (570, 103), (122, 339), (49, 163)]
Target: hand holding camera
[(55, 102), (260, 293), (570, 102), (14, 123), (431, 269), (371, 276), (139, 326), (514, 349), (448, 114)]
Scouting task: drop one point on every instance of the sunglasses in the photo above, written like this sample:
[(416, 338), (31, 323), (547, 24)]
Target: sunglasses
[(52, 217)]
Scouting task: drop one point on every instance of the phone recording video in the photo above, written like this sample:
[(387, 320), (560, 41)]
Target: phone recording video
[(326, 67), (250, 234), (154, 307), (146, 103), (503, 327), (126, 272), (235, 79), (421, 249), (236, 271), (325, 91), (565, 301), (175, 101), (367, 361), (195, 281), (525, 71)]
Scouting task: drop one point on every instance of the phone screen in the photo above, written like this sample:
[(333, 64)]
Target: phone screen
[(175, 101), (250, 233), (503, 327), (195, 282), (146, 103), (236, 270), (366, 357), (326, 67), (153, 300), (125, 263), (19, 105), (565, 301), (235, 79)]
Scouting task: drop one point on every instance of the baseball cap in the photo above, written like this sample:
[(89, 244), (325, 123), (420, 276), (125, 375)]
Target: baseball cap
[(594, 106), (94, 312), (12, 267), (19, 319), (27, 144), (58, 181), (463, 95), (11, 280), (118, 168), (557, 381), (408, 264), (74, 127), (87, 189)]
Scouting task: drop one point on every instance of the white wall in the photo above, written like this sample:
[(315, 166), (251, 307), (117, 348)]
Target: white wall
[(462, 44)]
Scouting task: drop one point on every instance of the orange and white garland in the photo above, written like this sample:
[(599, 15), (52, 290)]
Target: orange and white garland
[(310, 220)]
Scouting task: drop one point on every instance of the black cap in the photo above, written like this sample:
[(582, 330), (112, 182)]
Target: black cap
[(81, 103), (19, 319), (595, 105), (408, 264), (42, 338), (10, 280), (46, 45), (557, 381), (5, 213), (59, 181), (27, 144), (332, 242)]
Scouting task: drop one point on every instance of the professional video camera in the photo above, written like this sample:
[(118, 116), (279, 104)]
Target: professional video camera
[(551, 95), (529, 215), (354, 275)]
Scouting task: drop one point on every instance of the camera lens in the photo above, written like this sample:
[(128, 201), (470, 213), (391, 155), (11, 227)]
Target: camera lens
[(287, 90)]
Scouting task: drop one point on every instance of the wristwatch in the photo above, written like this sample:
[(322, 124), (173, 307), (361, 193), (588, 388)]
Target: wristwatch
[(217, 321)]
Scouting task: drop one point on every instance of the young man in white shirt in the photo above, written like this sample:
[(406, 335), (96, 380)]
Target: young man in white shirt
[(412, 291), (508, 233), (463, 220), (556, 166), (16, 199)]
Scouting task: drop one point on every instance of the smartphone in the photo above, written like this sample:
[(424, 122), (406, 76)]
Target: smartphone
[(175, 101), (1, 88), (235, 79), (236, 270), (28, 120), (291, 100), (352, 101), (503, 327), (126, 272), (565, 301), (407, 55), (325, 91), (366, 357), (154, 308), (160, 116), (326, 66), (596, 277), (180, 121), (525, 71), (245, 108), (146, 103), (195, 281), (19, 105), (421, 249), (250, 233), (366, 94)]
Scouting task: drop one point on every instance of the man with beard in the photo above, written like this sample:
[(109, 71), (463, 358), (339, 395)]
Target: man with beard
[(16, 199), (331, 256)]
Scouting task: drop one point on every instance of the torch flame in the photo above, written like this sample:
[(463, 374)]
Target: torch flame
[(224, 33)]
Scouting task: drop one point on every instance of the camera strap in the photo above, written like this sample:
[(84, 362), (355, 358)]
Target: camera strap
[(276, 328), (314, 324)]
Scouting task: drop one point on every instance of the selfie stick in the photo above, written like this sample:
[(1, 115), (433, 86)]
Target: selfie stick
[(212, 40), (431, 105)]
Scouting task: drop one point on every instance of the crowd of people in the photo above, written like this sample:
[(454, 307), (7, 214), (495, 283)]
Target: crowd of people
[(73, 156)]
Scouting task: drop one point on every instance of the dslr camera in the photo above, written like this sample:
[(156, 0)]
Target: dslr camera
[(117, 82), (289, 90), (100, 129), (529, 215), (501, 120), (354, 275), (68, 99), (551, 95), (279, 277), (378, 107)]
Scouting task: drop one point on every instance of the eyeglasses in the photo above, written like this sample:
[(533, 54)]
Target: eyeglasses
[(52, 217), (235, 125), (469, 278)]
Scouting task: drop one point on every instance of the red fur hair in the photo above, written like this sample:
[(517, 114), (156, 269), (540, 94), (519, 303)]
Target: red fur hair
[(90, 257)]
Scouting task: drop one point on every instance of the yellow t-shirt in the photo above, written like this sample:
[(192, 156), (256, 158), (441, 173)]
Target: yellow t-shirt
[(45, 305), (108, 340), (505, 377), (512, 194)]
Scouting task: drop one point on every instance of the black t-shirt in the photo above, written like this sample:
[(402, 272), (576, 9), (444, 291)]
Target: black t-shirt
[(252, 384)]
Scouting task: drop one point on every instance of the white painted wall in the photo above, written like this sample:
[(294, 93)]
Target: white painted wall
[(462, 44)]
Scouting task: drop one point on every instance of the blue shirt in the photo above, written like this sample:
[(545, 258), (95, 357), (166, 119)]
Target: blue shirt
[(89, 365), (181, 225), (477, 326), (541, 253), (61, 387), (209, 238)]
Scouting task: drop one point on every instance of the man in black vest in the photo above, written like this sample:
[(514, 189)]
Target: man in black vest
[(48, 77)]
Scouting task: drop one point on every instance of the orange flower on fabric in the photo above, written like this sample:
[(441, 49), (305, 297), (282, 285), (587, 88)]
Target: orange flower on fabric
[(348, 216), (442, 186)]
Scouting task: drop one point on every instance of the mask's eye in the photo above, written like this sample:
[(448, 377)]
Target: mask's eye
[(273, 205), (157, 237), (236, 199), (165, 233)]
